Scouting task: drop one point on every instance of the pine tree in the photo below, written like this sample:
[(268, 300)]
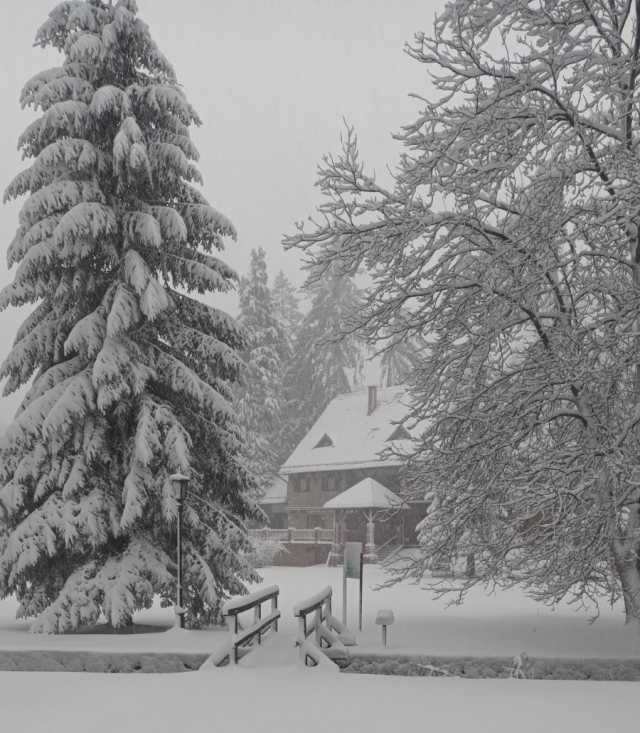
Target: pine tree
[(287, 307), (130, 375), (286, 302), (328, 360), (261, 402)]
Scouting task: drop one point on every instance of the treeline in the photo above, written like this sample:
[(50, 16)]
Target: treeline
[(298, 360)]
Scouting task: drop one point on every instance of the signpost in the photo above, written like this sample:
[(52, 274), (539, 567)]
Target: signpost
[(351, 568)]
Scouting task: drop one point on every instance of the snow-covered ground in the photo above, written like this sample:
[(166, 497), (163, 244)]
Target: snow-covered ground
[(274, 693)]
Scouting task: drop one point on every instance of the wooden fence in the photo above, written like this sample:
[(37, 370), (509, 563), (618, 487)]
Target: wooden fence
[(240, 637), (330, 637)]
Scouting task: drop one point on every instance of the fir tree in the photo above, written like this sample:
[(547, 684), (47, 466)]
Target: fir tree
[(260, 405), (286, 302), (288, 310), (328, 360), (130, 375)]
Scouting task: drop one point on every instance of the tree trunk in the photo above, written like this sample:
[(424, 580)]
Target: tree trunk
[(627, 565), (631, 591)]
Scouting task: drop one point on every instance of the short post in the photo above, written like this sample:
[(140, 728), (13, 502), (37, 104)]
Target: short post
[(318, 626), (257, 615), (274, 607), (384, 618)]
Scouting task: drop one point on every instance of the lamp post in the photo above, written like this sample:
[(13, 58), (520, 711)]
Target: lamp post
[(180, 486)]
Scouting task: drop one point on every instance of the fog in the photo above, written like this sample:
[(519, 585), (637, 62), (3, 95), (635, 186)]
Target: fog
[(274, 82)]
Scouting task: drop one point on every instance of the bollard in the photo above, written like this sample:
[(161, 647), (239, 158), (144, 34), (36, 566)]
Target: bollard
[(384, 618)]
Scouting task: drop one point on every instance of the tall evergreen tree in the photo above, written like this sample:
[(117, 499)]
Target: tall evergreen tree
[(327, 360), (287, 302), (130, 375), (287, 306), (260, 405)]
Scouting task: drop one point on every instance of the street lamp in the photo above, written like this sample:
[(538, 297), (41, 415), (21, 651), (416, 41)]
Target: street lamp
[(180, 486)]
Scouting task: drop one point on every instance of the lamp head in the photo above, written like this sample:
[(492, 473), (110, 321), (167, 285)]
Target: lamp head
[(180, 485)]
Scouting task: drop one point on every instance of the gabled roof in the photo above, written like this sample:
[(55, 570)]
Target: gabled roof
[(277, 494), (367, 494), (357, 438)]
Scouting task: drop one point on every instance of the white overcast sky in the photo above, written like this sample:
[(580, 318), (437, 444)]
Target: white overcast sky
[(272, 81)]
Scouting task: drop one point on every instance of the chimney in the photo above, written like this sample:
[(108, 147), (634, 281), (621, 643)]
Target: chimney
[(372, 399)]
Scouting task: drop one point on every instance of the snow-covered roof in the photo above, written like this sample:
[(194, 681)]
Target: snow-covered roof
[(367, 494), (357, 438), (277, 494)]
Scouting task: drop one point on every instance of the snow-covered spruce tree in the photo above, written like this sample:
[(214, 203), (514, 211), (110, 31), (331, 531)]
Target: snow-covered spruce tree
[(260, 402), (327, 358), (286, 302), (130, 375), (511, 241), (287, 305)]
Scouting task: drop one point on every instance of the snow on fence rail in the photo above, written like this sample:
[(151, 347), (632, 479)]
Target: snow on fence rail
[(240, 637), (316, 536), (330, 636)]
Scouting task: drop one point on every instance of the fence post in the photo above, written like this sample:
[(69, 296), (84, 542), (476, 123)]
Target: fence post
[(290, 534), (316, 535), (274, 607), (257, 615), (318, 625)]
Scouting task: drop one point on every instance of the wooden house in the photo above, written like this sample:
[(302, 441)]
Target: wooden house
[(346, 445)]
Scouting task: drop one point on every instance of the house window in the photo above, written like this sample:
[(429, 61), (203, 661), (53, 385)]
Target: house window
[(329, 482), (302, 483), (324, 442), (400, 433)]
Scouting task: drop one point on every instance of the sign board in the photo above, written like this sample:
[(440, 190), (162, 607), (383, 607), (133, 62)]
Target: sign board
[(351, 568), (352, 560)]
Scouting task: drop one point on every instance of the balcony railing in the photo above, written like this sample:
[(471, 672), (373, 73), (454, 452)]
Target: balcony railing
[(314, 536)]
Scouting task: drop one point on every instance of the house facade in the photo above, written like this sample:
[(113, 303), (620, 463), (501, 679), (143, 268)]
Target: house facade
[(346, 445)]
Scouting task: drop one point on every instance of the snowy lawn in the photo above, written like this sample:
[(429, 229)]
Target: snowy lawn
[(505, 623), (270, 691)]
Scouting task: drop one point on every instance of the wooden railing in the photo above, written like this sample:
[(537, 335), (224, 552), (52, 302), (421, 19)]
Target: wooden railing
[(314, 536), (242, 637), (330, 636), (270, 534)]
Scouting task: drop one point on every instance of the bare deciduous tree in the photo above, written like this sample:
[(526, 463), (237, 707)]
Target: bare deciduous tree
[(510, 242)]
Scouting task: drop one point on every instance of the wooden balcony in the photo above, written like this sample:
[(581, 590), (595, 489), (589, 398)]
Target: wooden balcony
[(315, 536)]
